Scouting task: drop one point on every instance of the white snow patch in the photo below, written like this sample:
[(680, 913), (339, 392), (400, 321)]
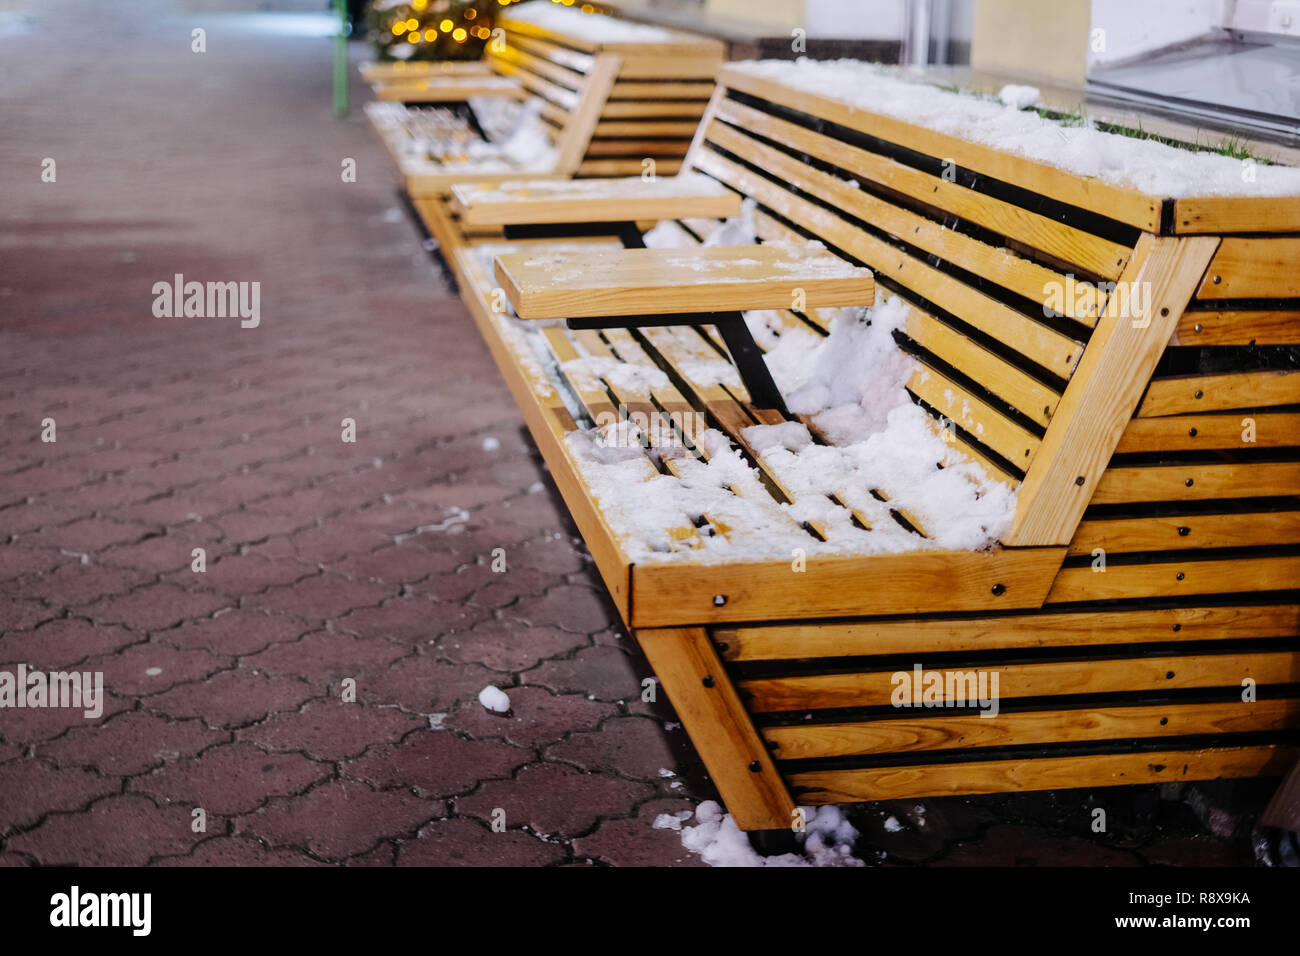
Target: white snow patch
[(494, 699), (1148, 166), (827, 840), (491, 444), (1021, 97)]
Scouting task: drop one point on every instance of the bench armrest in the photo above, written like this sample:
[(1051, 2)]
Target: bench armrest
[(630, 199), (679, 282), (447, 89)]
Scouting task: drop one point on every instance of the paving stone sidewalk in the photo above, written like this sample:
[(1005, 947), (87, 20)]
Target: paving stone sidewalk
[(329, 566)]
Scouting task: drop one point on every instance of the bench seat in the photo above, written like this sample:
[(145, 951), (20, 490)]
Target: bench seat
[(1139, 608)]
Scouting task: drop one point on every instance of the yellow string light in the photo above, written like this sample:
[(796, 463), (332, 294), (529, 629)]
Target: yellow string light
[(413, 36), (413, 24), (445, 26), (431, 35), (399, 28), (459, 35), (419, 4), (471, 13)]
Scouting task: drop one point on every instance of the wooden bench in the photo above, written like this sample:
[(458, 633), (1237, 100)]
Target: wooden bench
[(609, 106), (1150, 572)]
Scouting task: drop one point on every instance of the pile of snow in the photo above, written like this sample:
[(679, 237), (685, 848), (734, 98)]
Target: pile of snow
[(828, 840), (494, 699), (1020, 97), (1145, 165), (851, 383), (593, 28)]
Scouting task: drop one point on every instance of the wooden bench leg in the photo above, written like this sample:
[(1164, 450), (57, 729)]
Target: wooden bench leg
[(696, 682)]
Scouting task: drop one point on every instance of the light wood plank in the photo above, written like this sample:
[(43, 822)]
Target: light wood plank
[(1222, 214), (766, 695), (1044, 773), (620, 200), (1030, 338), (991, 632), (1212, 393), (1237, 328), (669, 281), (1105, 390), (1175, 578), (935, 731), (1196, 432), (1117, 202), (911, 583), (1254, 269), (1197, 482), (1180, 532), (707, 705)]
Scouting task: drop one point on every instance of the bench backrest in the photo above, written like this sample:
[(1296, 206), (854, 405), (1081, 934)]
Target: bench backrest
[(612, 105), (1013, 271)]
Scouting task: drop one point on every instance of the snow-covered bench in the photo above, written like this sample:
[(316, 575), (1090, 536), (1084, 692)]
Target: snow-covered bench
[(559, 93), (1018, 474)]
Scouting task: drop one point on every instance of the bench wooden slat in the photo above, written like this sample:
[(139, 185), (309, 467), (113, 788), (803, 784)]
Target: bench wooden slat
[(1044, 773), (454, 89), (1021, 276), (910, 583), (1018, 389), (1117, 202), (1195, 432), (1094, 254), (989, 427), (669, 281), (1228, 576), (876, 688), (564, 56), (939, 732), (1238, 328), (620, 200), (1043, 345), (1220, 214), (541, 67), (993, 632), (672, 90), (1212, 393), (1195, 482), (1182, 532), (1254, 269)]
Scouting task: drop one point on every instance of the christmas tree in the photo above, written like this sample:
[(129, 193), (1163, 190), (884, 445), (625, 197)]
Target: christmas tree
[(433, 29)]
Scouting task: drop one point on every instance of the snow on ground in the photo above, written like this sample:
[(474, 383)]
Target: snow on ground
[(1145, 165), (827, 839), (494, 699)]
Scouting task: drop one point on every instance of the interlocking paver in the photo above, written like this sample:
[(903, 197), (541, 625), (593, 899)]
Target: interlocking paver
[(339, 819), (230, 779), (130, 743), (437, 763), (554, 799), (332, 729), (464, 842)]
